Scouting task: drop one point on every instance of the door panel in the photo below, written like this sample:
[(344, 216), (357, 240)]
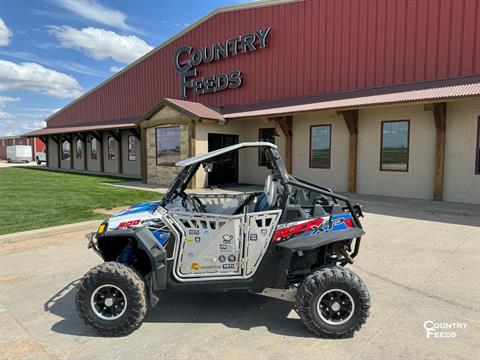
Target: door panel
[(212, 245), (260, 228)]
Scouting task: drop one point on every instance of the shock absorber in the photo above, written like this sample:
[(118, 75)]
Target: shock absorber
[(126, 256), (290, 275)]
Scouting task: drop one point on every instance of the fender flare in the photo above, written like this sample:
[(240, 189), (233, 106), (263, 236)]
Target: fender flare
[(311, 242), (157, 278)]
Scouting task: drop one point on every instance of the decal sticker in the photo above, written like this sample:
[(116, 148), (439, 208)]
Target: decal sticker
[(227, 238), (190, 255), (197, 239), (211, 267), (127, 224), (312, 227), (231, 258), (189, 240), (194, 232), (264, 231), (228, 266), (161, 236), (195, 266), (225, 247), (253, 237), (221, 258)]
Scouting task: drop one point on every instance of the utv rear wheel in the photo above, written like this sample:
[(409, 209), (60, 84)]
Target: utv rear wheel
[(333, 302), (111, 299)]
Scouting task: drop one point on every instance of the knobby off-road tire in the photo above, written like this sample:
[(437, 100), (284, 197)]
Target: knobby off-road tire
[(124, 283), (314, 302)]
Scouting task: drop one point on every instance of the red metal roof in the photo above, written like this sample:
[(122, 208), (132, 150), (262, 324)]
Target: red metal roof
[(196, 110), (432, 94), (314, 47)]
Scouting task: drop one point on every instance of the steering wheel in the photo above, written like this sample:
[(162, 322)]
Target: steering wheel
[(197, 204)]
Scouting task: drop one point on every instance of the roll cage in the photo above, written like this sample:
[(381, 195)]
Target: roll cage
[(274, 163)]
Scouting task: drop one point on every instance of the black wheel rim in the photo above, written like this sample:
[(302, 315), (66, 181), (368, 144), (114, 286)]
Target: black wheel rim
[(108, 302), (335, 306)]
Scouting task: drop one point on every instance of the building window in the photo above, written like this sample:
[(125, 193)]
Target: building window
[(65, 150), (266, 135), (477, 157), (94, 149), (78, 149), (320, 146), (111, 148), (132, 148), (395, 145), (168, 145)]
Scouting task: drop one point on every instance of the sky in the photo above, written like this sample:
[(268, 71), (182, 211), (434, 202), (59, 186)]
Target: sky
[(52, 51)]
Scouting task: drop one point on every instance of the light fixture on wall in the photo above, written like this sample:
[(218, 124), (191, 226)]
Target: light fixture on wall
[(276, 134)]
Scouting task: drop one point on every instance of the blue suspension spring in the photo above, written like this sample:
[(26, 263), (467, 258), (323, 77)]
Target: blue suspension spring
[(126, 255), (290, 275)]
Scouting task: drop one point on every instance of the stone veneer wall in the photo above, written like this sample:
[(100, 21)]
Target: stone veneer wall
[(166, 117)]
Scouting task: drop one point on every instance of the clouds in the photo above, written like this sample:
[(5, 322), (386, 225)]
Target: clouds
[(55, 63), (35, 77), (5, 34), (101, 44), (3, 103), (115, 69), (92, 10)]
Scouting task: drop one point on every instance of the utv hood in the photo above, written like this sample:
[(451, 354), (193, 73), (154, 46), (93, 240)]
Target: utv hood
[(148, 207)]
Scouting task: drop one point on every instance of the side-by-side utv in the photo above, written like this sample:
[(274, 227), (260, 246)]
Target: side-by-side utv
[(294, 236)]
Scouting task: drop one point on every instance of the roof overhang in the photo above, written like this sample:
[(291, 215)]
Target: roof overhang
[(120, 124), (194, 110), (434, 94)]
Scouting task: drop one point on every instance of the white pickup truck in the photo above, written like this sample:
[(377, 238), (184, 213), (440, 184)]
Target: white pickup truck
[(40, 156)]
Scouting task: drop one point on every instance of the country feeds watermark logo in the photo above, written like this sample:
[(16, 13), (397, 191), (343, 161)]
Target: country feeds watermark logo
[(443, 329)]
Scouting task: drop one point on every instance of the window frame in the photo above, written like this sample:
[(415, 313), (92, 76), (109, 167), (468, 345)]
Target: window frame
[(408, 145), (76, 149), (111, 156), (167, 163), (128, 147), (91, 149), (262, 151), (69, 150), (310, 165), (477, 149)]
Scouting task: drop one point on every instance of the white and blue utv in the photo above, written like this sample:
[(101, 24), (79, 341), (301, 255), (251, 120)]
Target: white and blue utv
[(292, 237)]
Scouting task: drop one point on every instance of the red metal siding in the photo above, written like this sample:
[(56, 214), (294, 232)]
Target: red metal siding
[(315, 46)]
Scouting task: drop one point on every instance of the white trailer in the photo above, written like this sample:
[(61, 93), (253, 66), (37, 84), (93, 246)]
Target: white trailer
[(19, 153)]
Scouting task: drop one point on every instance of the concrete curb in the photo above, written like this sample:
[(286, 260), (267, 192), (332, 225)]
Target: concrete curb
[(86, 226)]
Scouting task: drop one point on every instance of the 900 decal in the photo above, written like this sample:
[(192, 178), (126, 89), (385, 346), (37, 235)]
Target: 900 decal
[(127, 224)]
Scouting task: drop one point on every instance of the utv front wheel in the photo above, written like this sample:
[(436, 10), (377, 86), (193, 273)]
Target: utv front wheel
[(333, 302), (111, 299)]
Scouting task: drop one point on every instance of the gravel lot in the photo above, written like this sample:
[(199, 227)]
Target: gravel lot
[(419, 265)]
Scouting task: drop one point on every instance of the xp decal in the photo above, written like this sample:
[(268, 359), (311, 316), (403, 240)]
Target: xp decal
[(312, 227)]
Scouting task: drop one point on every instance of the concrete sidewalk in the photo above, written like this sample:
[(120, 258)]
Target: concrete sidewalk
[(418, 265)]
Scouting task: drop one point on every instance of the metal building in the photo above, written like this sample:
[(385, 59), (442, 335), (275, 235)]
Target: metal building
[(376, 97)]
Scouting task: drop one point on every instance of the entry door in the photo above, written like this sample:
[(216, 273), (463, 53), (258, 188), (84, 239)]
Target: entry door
[(225, 171)]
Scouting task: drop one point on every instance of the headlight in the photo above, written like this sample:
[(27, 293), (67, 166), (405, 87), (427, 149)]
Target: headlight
[(102, 228)]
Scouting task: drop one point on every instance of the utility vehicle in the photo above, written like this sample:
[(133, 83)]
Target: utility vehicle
[(294, 236)]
